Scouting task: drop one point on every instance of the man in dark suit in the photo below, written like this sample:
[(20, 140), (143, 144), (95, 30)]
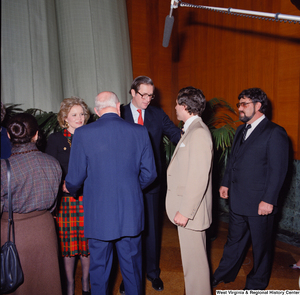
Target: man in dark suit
[(114, 160), (158, 124), (252, 181)]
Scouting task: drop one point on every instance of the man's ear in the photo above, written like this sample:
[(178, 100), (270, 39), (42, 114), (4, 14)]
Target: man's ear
[(96, 111), (133, 93), (118, 109), (34, 138), (257, 106)]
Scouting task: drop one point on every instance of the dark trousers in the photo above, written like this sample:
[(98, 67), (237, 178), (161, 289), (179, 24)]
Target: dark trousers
[(241, 229), (151, 234), (129, 250)]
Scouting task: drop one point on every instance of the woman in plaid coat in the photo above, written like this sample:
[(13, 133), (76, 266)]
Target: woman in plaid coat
[(35, 179)]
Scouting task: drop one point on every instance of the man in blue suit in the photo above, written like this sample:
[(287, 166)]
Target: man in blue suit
[(158, 124), (252, 181), (114, 159)]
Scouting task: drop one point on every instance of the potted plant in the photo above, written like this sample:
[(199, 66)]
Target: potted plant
[(221, 125)]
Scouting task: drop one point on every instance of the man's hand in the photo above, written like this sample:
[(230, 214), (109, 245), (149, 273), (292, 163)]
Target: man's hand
[(64, 188), (265, 208), (180, 220), (223, 192)]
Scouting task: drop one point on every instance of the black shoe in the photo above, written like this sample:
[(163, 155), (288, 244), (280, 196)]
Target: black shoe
[(86, 292), (215, 283), (157, 283), (122, 288)]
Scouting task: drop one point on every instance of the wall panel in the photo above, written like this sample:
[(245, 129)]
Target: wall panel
[(221, 54)]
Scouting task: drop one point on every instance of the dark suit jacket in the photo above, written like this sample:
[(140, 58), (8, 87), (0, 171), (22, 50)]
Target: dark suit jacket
[(5, 144), (158, 124), (59, 148), (257, 168), (115, 161)]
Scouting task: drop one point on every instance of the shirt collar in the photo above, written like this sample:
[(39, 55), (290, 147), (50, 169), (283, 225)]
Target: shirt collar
[(189, 121), (135, 113), (256, 122)]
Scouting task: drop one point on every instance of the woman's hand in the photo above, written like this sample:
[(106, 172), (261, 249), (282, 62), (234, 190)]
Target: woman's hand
[(64, 188)]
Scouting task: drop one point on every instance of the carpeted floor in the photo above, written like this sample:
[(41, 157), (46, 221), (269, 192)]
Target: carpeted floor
[(282, 278)]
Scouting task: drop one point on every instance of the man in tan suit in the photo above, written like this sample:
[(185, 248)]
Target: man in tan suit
[(189, 195)]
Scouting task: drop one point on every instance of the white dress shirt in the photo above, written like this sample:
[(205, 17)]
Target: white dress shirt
[(254, 125), (135, 113)]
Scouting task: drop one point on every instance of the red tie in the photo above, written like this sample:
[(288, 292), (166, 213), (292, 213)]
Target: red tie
[(140, 119)]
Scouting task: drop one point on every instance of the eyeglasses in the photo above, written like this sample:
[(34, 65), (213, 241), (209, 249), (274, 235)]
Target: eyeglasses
[(243, 104), (146, 95)]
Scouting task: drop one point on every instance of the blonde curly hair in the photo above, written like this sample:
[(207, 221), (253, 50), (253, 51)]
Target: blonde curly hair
[(66, 106)]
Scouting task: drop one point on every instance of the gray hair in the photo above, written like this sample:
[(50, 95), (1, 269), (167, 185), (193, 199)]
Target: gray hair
[(109, 100)]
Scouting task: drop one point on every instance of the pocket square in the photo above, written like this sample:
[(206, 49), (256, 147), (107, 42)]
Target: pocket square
[(182, 145)]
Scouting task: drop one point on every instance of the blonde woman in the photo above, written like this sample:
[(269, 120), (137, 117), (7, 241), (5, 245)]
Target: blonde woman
[(73, 113)]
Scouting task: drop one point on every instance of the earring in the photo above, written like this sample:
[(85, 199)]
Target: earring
[(66, 125)]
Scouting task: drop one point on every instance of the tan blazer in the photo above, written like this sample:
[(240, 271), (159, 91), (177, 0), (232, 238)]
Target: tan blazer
[(189, 177)]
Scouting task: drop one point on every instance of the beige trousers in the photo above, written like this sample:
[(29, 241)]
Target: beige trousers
[(194, 261)]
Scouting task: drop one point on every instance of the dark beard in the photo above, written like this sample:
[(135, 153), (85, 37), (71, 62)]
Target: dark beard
[(246, 119)]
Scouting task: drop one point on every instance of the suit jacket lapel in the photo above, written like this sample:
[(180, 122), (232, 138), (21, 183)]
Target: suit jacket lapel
[(183, 137), (128, 114), (129, 117), (147, 118), (253, 136), (177, 146), (257, 131), (237, 142)]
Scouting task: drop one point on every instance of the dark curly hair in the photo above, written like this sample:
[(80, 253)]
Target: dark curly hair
[(193, 99), (22, 128), (256, 95)]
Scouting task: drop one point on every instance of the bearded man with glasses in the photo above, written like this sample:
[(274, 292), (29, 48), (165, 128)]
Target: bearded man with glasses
[(157, 122), (253, 177)]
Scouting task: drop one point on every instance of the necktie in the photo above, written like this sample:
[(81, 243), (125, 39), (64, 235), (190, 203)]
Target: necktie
[(140, 118), (245, 132), (182, 132)]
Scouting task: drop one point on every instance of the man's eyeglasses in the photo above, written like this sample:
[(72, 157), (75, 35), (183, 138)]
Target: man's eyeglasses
[(243, 104), (146, 95)]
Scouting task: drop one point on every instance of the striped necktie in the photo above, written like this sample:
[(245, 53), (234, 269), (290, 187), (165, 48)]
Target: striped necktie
[(248, 126)]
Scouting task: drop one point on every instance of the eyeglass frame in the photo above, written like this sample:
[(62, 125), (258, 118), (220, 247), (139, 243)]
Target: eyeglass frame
[(151, 96), (244, 104)]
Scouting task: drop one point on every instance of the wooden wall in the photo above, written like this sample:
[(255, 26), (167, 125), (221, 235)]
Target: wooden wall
[(221, 54)]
